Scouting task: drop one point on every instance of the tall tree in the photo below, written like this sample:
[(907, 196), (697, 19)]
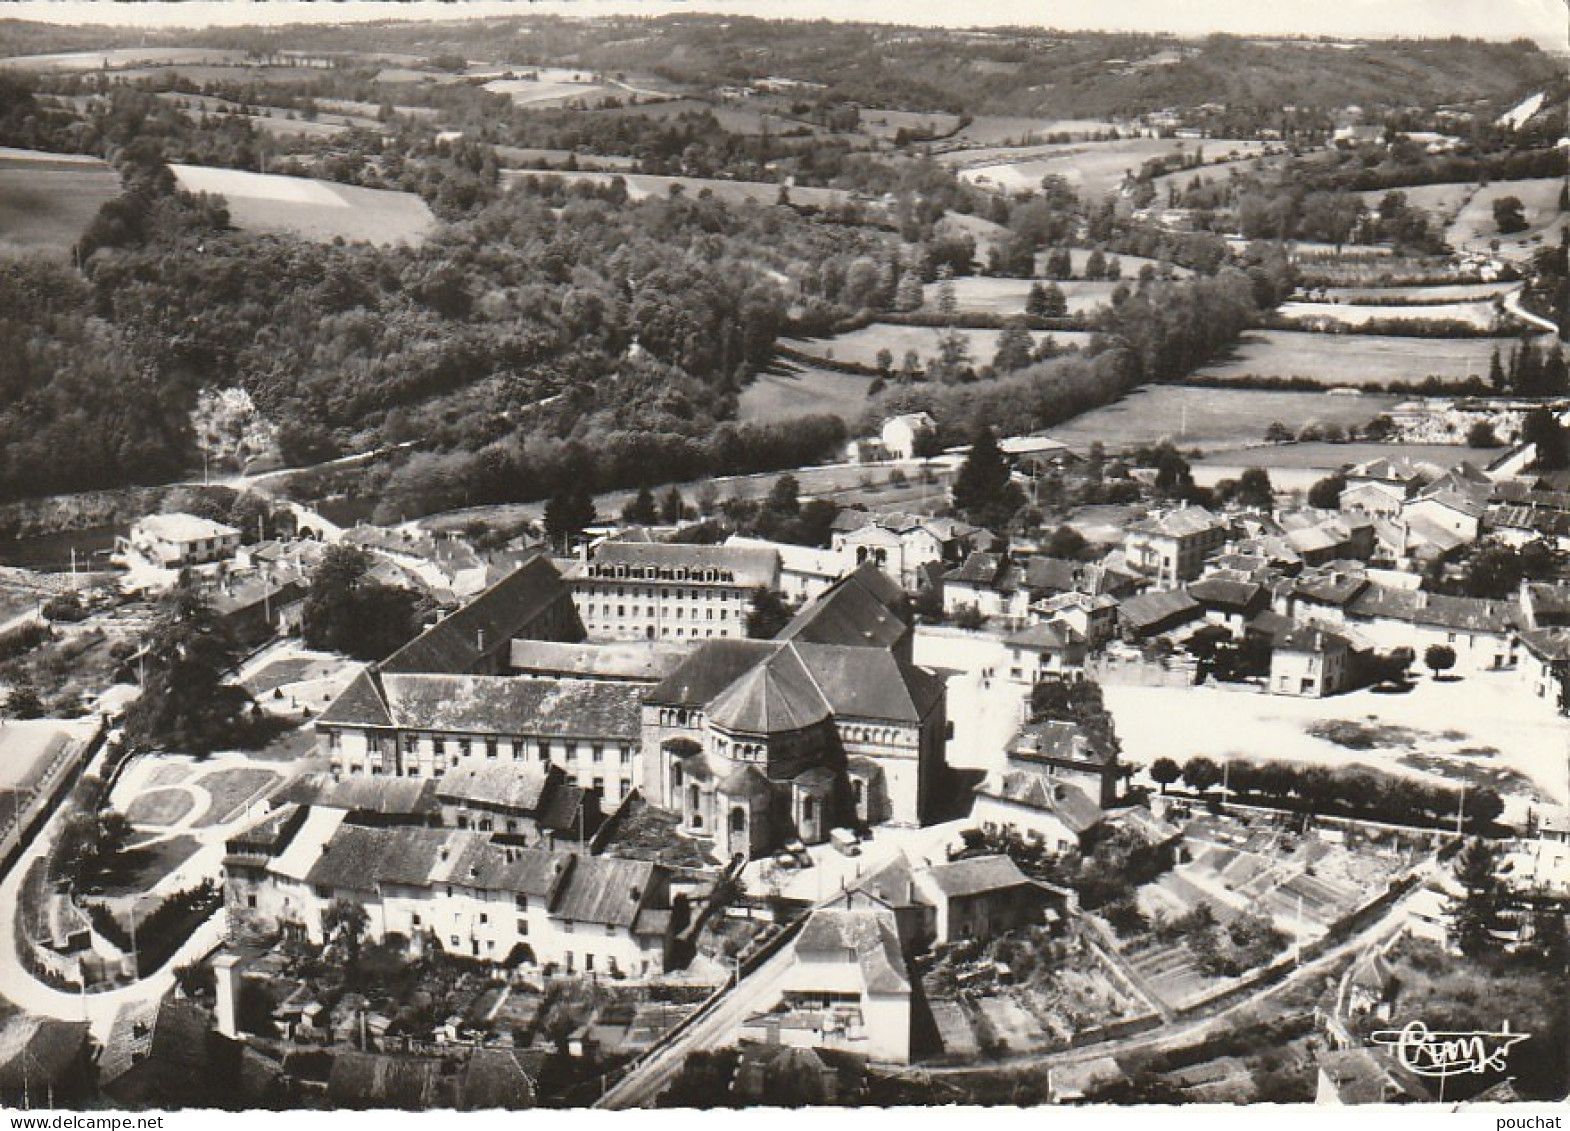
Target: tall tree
[(640, 509), (346, 610), (568, 513), (983, 491)]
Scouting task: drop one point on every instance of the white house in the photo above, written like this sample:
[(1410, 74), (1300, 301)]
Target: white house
[(174, 541), (900, 433)]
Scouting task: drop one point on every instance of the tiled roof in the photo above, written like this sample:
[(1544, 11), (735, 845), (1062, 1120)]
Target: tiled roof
[(1181, 523), (631, 660), (1330, 587), (363, 793), (174, 1033), (976, 875), (1308, 638), (777, 695), (505, 785), (871, 935), (358, 858), (1164, 607), (709, 670), (894, 884), (605, 890), (1468, 614), (978, 568), (1048, 636), (359, 704), (179, 527), (862, 609), (1550, 644), (499, 614), (1454, 500), (1050, 738), (368, 1081), (859, 683), (1057, 575), (480, 704), (1221, 593), (1070, 804)]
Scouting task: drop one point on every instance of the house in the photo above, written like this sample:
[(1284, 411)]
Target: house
[(534, 803), (1172, 548), (499, 1079), (1052, 650), (641, 662), (366, 1081), (1374, 499), (986, 584), (1545, 663), (44, 1063), (978, 898), (1158, 612), (530, 603), (658, 591), (176, 541), (1229, 603), (1046, 810), (1452, 511), (1095, 618), (1310, 662), (422, 726), (769, 1075), (1362, 1075), (847, 989), (458, 891), (1545, 606), (805, 571), (903, 545), (1482, 633), (901, 435), (1323, 593), (1058, 749)]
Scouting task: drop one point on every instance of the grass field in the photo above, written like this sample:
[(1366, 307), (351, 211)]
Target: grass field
[(147, 864), (1479, 314), (160, 808), (1405, 296), (1096, 168), (1353, 359), (860, 347), (47, 200), (985, 295), (1210, 419), (1441, 201), (528, 93), (1319, 456), (115, 57), (788, 391), (312, 209), (640, 185), (1003, 130), (885, 124), (1474, 228), (231, 790)]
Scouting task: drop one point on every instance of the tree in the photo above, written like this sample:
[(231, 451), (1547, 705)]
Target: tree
[(345, 921), (640, 509), (1015, 346), (185, 704), (1165, 772), (1439, 658), (1482, 435), (1055, 302), (1494, 572), (1036, 300), (24, 702), (1278, 433), (767, 614), (567, 514), (348, 611), (1200, 773), (983, 491), (1510, 215), (672, 507), (1326, 493), (1254, 489), (1541, 428), (1474, 915)]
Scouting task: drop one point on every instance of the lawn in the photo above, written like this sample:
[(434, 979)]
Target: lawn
[(1210, 418), (861, 347), (312, 209), (787, 391), (47, 201), (232, 790), (292, 669), (1352, 359), (160, 808), (986, 295), (144, 865)]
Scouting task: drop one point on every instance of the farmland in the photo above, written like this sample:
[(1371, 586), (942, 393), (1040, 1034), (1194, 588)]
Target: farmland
[(1003, 130), (271, 119), (640, 185), (536, 93), (311, 209), (1210, 418), (985, 295), (47, 200), (1438, 294), (1297, 467), (1352, 359), (1474, 228), (861, 347), (788, 391), (1096, 168), (1480, 315), (885, 124)]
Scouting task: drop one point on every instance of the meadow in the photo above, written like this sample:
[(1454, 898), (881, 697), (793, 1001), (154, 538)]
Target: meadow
[(1211, 419), (1352, 359), (47, 200), (786, 390), (861, 347), (640, 185), (982, 294), (312, 209), (1480, 314), (1474, 228), (1097, 168)]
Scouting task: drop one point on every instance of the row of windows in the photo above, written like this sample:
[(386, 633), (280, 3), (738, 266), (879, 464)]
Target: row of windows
[(722, 592), (649, 630), (651, 611)]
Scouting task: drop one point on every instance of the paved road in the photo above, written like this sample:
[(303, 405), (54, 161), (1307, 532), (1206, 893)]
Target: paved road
[(1513, 305)]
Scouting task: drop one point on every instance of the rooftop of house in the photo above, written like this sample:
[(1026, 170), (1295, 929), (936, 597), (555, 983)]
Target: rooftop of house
[(503, 785), (1329, 585), (363, 1080), (1419, 607), (481, 704), (863, 609), (1364, 1075), (801, 560), (499, 1079), (978, 568), (180, 528), (361, 858), (1051, 738), (1311, 639), (1161, 607), (871, 936), (456, 644), (1066, 801), (977, 875), (363, 793), (1185, 522), (1045, 574), (850, 520), (173, 1033), (1232, 596), (1452, 500), (1395, 471), (1047, 636), (1549, 644), (632, 660), (36, 1051)]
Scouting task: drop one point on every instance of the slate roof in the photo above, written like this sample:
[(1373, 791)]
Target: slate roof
[(1221, 593), (737, 565), (357, 858), (484, 704), (893, 885), (862, 684), (1048, 636), (1055, 575), (172, 1033), (1050, 738), (500, 613), (181, 527), (363, 793), (1549, 644), (976, 876), (1453, 500), (1070, 804), (1361, 1075), (605, 890), (863, 608), (872, 935), (1184, 522), (498, 1079), (709, 670), (1329, 586), (776, 695), (359, 704), (978, 568), (1308, 638)]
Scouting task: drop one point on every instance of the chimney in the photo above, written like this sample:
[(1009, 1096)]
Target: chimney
[(226, 984)]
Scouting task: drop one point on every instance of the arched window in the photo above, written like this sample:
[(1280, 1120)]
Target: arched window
[(676, 774)]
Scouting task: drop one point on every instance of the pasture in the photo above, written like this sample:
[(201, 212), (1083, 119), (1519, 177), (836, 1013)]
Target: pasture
[(538, 94), (886, 124), (1005, 130), (1481, 315), (1438, 294), (47, 200), (312, 209), (272, 120), (861, 347), (1096, 168), (983, 294), (1352, 359), (1474, 228), (1297, 467), (1208, 418), (785, 391), (641, 185), (1442, 201)]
